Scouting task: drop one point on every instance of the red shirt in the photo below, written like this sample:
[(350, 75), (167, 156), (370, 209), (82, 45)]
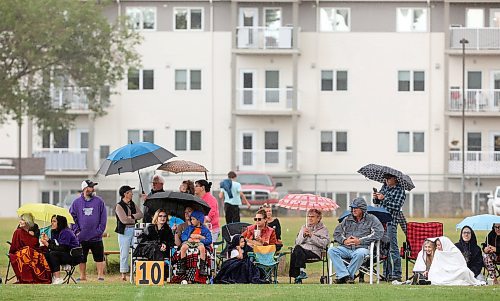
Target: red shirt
[(213, 215), (267, 234)]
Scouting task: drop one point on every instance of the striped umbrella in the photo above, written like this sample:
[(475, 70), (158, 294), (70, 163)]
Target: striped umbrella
[(307, 201)]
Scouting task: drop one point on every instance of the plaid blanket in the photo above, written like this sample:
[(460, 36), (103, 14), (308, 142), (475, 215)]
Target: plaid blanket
[(192, 267)]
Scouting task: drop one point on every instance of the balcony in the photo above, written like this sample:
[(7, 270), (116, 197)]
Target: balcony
[(265, 160), (275, 40), (266, 102), (476, 163), (476, 100), (483, 39), (74, 99), (63, 159)]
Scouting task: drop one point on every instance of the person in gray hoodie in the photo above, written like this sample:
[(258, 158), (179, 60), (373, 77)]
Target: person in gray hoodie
[(355, 234), (311, 240)]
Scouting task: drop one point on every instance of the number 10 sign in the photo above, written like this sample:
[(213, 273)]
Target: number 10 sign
[(149, 272)]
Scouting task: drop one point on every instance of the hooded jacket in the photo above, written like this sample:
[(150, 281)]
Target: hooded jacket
[(368, 229), (204, 230), (471, 251)]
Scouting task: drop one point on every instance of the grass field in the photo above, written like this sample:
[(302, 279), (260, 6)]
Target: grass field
[(113, 288)]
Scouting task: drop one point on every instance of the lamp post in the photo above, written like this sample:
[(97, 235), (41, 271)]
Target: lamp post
[(463, 41)]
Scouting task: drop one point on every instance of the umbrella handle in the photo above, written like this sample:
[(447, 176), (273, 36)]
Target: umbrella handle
[(140, 181)]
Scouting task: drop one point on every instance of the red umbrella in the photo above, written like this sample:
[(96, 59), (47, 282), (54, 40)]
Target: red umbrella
[(307, 201)]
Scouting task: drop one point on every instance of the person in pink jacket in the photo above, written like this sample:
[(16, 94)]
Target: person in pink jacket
[(202, 190)]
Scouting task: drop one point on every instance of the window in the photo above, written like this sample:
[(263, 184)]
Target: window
[(55, 139), (327, 141), (335, 19), (142, 18), (474, 80), (475, 18), (474, 142), (329, 77), (411, 80), (271, 145), (182, 140), (187, 79), (188, 18), (103, 151), (141, 79), (416, 145), (411, 19), (141, 136), (272, 86)]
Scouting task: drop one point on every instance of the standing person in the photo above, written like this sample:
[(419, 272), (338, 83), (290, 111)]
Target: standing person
[(89, 214), (311, 240), (156, 186), (127, 213), (355, 234), (491, 249), (202, 190), (471, 251), (392, 197), (231, 194)]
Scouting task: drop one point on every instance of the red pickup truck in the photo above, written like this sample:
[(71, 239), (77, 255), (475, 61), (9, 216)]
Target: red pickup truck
[(259, 188)]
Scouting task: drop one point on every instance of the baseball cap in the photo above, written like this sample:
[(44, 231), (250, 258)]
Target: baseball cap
[(88, 183), (124, 189)]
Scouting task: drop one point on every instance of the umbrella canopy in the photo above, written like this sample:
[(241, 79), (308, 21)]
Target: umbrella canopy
[(178, 166), (306, 202), (175, 202), (479, 222), (44, 212), (380, 212), (376, 173)]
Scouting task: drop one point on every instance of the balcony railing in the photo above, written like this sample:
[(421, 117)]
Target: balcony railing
[(265, 99), (264, 38), (278, 160), (476, 162), (63, 159), (476, 100), (73, 98), (487, 38)]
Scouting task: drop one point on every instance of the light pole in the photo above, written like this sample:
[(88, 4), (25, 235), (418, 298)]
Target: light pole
[(463, 41)]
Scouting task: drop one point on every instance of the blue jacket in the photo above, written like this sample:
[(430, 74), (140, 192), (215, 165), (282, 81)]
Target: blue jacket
[(204, 232)]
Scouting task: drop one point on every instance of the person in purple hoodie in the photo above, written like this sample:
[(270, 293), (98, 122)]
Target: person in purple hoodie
[(89, 214), (60, 244)]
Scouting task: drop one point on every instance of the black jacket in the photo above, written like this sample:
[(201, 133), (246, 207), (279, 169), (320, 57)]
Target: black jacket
[(493, 240), (150, 241), (471, 251)]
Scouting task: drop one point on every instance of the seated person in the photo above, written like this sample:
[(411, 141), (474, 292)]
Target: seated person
[(196, 236), (239, 268), (179, 228), (260, 234), (449, 267), (26, 256), (311, 240), (470, 250), (355, 234), (60, 244), (424, 260), (491, 249), (156, 240)]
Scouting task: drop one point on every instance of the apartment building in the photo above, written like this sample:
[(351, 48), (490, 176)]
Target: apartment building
[(307, 91)]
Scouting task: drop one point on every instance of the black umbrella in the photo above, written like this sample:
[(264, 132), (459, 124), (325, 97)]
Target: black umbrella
[(377, 172), (175, 202)]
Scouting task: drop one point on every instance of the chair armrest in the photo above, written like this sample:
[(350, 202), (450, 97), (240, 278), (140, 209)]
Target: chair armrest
[(218, 243)]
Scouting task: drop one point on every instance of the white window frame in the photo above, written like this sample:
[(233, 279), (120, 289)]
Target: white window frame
[(467, 16), (334, 141), (334, 80), (271, 150), (412, 80), (188, 21), (188, 140), (141, 134), (188, 79), (141, 79), (335, 29), (142, 8), (412, 9), (411, 138), (271, 8)]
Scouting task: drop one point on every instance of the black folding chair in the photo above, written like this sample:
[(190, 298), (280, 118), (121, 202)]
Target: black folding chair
[(7, 278), (77, 256), (228, 232)]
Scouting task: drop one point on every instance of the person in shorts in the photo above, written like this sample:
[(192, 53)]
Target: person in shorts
[(89, 214)]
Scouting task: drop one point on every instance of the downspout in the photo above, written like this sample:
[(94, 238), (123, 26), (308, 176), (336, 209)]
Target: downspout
[(429, 113), (212, 75)]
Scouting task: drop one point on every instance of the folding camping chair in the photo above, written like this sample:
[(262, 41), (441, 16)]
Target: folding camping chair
[(228, 232), (7, 278), (324, 261), (77, 255), (415, 237), (267, 261)]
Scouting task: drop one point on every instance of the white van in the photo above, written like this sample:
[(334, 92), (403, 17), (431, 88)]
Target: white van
[(494, 202)]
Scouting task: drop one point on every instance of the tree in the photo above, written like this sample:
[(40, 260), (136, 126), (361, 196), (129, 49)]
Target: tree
[(59, 43)]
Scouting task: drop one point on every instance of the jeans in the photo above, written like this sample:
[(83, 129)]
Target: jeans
[(356, 257), (125, 241), (392, 266)]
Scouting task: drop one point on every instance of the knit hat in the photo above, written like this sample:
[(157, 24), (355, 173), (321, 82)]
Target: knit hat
[(198, 215)]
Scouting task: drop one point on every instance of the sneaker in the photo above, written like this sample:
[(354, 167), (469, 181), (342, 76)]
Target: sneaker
[(342, 280), (58, 281), (302, 275), (66, 267), (349, 280), (298, 280)]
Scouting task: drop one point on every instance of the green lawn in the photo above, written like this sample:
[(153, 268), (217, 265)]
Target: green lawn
[(113, 288)]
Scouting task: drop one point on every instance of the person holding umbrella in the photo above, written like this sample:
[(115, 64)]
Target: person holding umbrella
[(157, 186), (127, 213), (392, 197)]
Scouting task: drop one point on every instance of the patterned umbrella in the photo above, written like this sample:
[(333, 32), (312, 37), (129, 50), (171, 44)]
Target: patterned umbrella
[(306, 202), (376, 173), (178, 166)]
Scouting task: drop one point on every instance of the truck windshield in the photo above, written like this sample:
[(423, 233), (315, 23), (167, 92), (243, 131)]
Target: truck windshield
[(255, 179)]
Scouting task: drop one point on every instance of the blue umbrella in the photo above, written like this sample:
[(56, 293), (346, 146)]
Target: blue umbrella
[(480, 222), (380, 212), (132, 157)]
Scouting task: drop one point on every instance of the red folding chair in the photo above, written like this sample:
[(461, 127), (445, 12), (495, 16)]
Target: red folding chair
[(415, 237)]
